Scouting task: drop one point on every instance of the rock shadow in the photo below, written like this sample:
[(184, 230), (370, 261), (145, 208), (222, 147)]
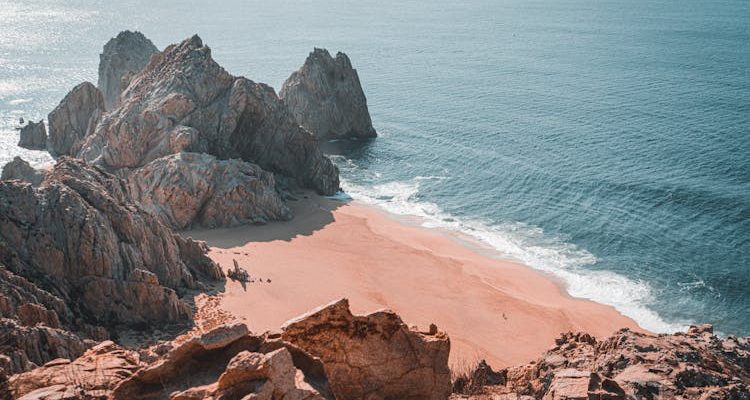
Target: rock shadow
[(312, 213)]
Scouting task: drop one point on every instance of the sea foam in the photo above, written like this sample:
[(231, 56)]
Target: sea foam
[(528, 244)]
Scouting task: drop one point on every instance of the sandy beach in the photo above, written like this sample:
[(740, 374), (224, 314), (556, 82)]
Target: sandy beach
[(492, 309)]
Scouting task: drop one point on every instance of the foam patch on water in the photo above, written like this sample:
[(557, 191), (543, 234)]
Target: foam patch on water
[(526, 244)]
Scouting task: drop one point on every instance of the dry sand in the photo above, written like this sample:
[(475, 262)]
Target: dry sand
[(492, 309)]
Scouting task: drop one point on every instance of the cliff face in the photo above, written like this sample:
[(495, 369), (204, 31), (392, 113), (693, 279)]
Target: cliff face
[(184, 101), (326, 98), (87, 257), (122, 57)]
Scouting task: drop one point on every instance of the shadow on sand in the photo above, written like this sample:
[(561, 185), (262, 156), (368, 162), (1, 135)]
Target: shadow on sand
[(311, 213)]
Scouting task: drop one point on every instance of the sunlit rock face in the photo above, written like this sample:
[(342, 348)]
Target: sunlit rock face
[(184, 101)]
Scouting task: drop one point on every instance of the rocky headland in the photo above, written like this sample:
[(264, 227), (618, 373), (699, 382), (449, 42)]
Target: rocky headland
[(168, 141)]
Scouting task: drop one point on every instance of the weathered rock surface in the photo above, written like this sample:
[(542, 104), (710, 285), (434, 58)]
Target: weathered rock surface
[(326, 98), (33, 136), (184, 101), (29, 304), (25, 347), (374, 356), (630, 365), (20, 170), (123, 56), (93, 375), (4, 386), (228, 363), (74, 118), (79, 237), (31, 319), (191, 189)]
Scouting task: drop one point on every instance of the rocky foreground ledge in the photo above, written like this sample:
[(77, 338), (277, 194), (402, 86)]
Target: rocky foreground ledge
[(332, 354)]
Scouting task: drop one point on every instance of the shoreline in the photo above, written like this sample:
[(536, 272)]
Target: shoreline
[(492, 308)]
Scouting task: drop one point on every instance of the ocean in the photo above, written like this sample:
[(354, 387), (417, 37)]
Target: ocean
[(606, 143)]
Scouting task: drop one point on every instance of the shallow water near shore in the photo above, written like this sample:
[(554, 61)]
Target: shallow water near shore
[(606, 143)]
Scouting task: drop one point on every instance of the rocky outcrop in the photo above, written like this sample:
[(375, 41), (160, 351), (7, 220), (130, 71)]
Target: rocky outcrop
[(228, 363), (329, 353), (184, 101), (123, 56), (25, 347), (29, 304), (20, 170), (79, 237), (630, 365), (191, 189), (74, 118), (93, 375), (4, 386), (33, 136), (374, 356), (326, 98), (225, 363), (31, 322)]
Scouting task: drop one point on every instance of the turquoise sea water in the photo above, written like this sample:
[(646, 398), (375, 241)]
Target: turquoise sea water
[(605, 142)]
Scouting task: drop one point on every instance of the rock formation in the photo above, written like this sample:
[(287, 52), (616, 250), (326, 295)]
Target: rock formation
[(187, 189), (24, 347), (20, 170), (228, 363), (93, 375), (247, 147), (31, 319), (123, 56), (89, 257), (374, 356), (184, 101), (326, 98), (74, 118), (33, 136), (224, 363), (80, 234), (628, 365)]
